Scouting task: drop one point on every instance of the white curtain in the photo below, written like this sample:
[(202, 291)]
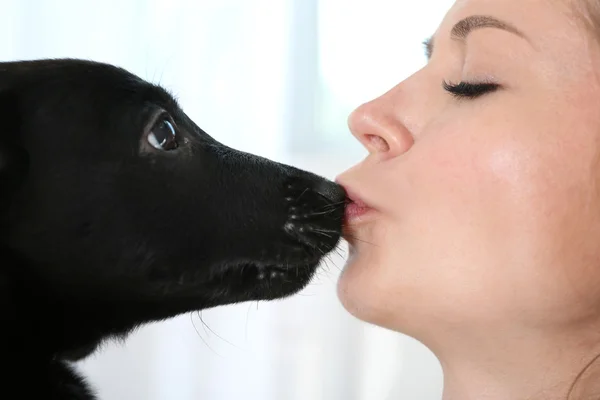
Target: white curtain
[(276, 78)]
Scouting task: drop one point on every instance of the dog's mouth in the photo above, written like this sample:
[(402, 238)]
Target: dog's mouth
[(267, 273), (264, 281), (314, 229), (280, 258)]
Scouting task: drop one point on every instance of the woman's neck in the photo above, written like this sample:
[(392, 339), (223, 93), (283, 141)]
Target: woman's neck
[(523, 366)]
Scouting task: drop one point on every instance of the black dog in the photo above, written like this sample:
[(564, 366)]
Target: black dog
[(116, 210)]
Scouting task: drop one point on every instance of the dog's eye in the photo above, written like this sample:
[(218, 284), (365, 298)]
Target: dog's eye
[(162, 136)]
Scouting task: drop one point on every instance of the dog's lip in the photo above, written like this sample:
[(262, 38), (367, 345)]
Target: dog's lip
[(282, 265), (276, 267)]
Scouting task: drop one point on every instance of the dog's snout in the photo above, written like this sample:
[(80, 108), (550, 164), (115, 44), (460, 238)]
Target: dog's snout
[(331, 191), (316, 210)]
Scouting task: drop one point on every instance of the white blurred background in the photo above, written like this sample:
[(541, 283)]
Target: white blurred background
[(277, 78)]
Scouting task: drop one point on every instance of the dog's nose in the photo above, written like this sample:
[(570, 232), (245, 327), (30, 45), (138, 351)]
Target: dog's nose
[(331, 191), (316, 211)]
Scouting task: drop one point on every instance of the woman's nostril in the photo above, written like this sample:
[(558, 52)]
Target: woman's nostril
[(377, 143)]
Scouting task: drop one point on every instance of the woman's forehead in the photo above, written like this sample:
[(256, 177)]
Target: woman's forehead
[(531, 14), (553, 26)]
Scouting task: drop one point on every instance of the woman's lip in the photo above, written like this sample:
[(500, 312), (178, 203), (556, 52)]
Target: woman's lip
[(356, 208)]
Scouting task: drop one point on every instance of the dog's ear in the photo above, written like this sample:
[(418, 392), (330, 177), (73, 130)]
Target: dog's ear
[(13, 157)]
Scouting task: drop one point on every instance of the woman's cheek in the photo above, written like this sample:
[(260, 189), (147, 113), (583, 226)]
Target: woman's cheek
[(458, 167), (476, 187)]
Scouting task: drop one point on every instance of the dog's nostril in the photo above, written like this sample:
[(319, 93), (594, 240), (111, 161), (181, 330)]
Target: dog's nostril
[(331, 191)]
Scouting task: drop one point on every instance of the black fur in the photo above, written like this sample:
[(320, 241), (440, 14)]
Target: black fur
[(101, 232)]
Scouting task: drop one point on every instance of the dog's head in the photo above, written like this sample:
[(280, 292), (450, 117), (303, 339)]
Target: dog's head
[(114, 201)]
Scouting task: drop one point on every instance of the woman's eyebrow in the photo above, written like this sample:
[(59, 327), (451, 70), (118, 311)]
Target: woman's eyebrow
[(465, 26)]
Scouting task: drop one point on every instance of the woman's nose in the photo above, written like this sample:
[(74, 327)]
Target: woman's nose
[(379, 129)]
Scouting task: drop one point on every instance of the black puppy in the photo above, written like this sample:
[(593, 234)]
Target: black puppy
[(116, 210)]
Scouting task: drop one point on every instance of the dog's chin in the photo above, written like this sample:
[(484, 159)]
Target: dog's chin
[(240, 281), (260, 281), (252, 281), (235, 283)]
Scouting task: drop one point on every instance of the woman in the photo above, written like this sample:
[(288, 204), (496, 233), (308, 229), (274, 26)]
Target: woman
[(475, 226)]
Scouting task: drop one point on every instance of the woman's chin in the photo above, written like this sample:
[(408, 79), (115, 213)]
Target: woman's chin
[(357, 291), (375, 292)]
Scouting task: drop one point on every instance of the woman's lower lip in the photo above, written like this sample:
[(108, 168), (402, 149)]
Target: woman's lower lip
[(354, 212)]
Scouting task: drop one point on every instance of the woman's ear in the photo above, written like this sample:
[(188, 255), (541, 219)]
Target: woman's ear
[(13, 157)]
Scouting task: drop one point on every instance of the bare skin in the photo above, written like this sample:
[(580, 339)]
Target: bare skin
[(482, 239)]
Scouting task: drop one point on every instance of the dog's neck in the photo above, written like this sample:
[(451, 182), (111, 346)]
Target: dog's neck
[(49, 321), (23, 342), (31, 317)]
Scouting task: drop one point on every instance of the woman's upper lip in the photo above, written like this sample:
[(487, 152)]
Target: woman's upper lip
[(353, 197)]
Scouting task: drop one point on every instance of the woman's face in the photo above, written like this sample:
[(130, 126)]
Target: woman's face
[(485, 202)]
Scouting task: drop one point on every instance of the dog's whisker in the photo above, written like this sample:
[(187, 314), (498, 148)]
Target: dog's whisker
[(316, 214), (333, 206), (172, 187), (202, 321), (214, 333), (321, 232), (328, 258), (201, 338), (357, 239), (246, 327), (327, 231), (302, 194)]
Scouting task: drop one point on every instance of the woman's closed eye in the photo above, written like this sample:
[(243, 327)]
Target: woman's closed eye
[(470, 90)]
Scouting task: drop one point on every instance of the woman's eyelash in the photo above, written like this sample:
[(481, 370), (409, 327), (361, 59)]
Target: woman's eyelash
[(470, 90)]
